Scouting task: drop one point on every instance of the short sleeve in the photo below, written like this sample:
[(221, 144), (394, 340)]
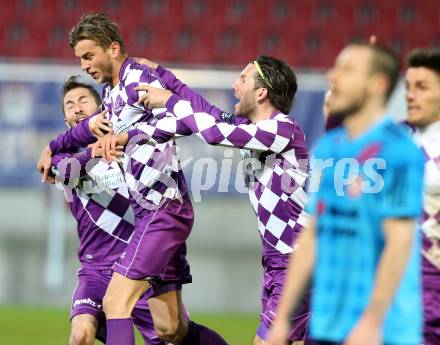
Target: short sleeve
[(402, 193)]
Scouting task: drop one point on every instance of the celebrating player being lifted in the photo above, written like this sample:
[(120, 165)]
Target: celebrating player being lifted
[(155, 258), (276, 175)]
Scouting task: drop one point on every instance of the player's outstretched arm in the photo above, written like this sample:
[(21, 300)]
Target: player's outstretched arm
[(69, 165), (299, 272), (163, 130), (176, 86), (198, 102), (85, 132), (81, 135), (268, 135)]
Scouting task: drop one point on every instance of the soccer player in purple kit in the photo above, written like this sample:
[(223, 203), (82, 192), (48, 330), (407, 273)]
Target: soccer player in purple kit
[(422, 81), (155, 259), (105, 223), (279, 169)]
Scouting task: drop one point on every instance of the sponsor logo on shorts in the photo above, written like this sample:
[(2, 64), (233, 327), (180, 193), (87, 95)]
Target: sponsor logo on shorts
[(80, 302)]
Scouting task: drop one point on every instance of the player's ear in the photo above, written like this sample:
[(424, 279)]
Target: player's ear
[(261, 93), (115, 49), (380, 84)]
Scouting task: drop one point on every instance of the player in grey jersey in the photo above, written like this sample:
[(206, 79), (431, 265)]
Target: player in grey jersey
[(104, 223)]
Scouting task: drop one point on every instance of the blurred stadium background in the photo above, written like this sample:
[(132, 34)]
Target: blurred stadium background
[(206, 43)]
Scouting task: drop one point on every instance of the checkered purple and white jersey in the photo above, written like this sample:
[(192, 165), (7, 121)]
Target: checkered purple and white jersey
[(428, 138), (153, 173), (275, 160), (100, 204)]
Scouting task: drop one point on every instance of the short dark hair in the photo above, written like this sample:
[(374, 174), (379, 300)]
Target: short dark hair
[(384, 61), (74, 83), (99, 28), (279, 80), (425, 57)]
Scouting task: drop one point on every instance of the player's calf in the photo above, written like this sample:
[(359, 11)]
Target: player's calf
[(83, 330), (169, 320), (173, 332)]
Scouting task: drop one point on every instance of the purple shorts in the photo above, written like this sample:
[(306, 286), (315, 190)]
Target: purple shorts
[(275, 271), (431, 303), (87, 299), (157, 251)]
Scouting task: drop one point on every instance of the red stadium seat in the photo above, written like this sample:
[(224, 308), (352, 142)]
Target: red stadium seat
[(308, 32)]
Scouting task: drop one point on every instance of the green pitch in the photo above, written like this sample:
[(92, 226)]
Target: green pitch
[(50, 326)]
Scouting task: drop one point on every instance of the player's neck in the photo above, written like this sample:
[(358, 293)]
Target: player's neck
[(364, 119), (430, 124), (262, 112), (117, 65)]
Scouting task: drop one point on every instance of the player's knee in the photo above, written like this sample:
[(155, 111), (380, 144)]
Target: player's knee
[(84, 335), (108, 303), (114, 307)]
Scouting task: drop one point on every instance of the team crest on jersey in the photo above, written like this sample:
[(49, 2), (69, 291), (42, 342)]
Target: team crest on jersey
[(354, 189), (118, 105)]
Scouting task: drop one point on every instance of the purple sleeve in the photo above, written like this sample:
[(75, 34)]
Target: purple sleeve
[(58, 157), (268, 135), (73, 139), (64, 163), (197, 101), (164, 130)]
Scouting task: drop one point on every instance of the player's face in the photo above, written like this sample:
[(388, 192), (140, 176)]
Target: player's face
[(95, 60), (244, 91), (78, 104), (348, 81), (422, 96)]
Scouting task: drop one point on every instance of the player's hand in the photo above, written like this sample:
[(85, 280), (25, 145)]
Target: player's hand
[(110, 146), (366, 332), (144, 61), (44, 164), (116, 156), (153, 97), (99, 125), (279, 333)]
